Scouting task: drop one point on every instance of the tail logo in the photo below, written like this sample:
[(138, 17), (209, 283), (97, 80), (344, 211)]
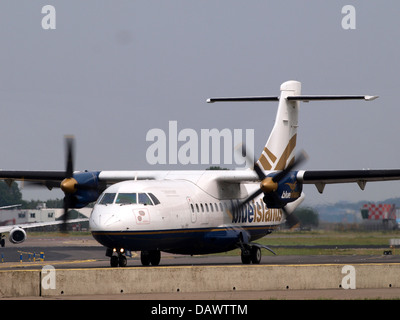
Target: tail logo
[(269, 161)]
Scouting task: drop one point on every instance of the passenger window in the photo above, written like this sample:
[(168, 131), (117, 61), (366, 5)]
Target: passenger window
[(108, 198), (202, 208), (197, 207), (220, 207), (216, 207), (191, 206), (154, 198), (206, 207), (145, 199), (126, 198), (211, 207)]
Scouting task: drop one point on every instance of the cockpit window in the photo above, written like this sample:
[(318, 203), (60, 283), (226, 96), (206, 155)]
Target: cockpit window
[(154, 198), (145, 199), (129, 198), (107, 198), (126, 198)]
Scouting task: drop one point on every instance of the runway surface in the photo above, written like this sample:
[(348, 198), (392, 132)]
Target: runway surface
[(85, 252)]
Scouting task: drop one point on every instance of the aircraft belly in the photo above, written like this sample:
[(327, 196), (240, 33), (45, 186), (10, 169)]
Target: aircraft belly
[(181, 241)]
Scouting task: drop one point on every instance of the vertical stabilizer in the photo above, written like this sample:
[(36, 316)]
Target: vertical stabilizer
[(280, 147)]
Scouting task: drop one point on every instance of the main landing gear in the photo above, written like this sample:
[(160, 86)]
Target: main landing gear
[(251, 254), (152, 257)]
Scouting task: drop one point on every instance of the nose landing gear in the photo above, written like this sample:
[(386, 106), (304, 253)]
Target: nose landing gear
[(118, 261), (117, 257)]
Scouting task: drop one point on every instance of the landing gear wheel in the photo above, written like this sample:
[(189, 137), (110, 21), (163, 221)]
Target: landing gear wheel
[(246, 257), (255, 253), (122, 261), (145, 258), (251, 254), (150, 257), (155, 257), (114, 261)]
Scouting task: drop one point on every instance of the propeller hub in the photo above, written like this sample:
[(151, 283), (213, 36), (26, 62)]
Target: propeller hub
[(268, 185), (68, 185)]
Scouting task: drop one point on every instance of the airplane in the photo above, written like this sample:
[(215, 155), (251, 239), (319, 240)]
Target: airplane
[(201, 211), (17, 233)]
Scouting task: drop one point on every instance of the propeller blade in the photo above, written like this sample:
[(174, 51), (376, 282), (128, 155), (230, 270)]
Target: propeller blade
[(260, 173), (251, 197), (268, 186), (69, 143), (298, 160), (291, 219), (67, 200), (69, 173)]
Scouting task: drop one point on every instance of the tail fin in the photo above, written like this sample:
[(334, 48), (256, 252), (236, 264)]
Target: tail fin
[(279, 150), (280, 147)]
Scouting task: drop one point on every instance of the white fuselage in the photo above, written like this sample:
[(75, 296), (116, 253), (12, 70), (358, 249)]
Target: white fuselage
[(178, 216)]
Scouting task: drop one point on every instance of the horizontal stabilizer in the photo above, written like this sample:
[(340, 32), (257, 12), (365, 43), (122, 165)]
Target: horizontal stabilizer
[(212, 100), (336, 97), (294, 98)]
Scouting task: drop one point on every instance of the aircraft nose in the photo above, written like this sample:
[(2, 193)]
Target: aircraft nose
[(94, 220), (103, 219)]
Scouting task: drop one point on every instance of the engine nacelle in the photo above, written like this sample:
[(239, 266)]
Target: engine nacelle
[(89, 189), (17, 235)]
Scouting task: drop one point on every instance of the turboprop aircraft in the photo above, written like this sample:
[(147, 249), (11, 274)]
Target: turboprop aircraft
[(201, 212)]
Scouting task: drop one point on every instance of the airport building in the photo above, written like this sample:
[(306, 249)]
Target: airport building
[(380, 216), (41, 214)]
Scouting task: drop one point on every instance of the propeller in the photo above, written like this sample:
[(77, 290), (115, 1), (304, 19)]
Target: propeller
[(269, 186), (69, 184), (88, 182)]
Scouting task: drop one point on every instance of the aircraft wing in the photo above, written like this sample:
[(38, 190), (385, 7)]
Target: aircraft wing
[(8, 228), (50, 179), (237, 176), (361, 177), (32, 175), (114, 176), (233, 176), (102, 178)]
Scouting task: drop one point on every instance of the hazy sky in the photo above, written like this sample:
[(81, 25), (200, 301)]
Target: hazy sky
[(113, 70)]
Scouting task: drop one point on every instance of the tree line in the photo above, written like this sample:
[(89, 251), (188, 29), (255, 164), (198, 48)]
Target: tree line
[(11, 194)]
